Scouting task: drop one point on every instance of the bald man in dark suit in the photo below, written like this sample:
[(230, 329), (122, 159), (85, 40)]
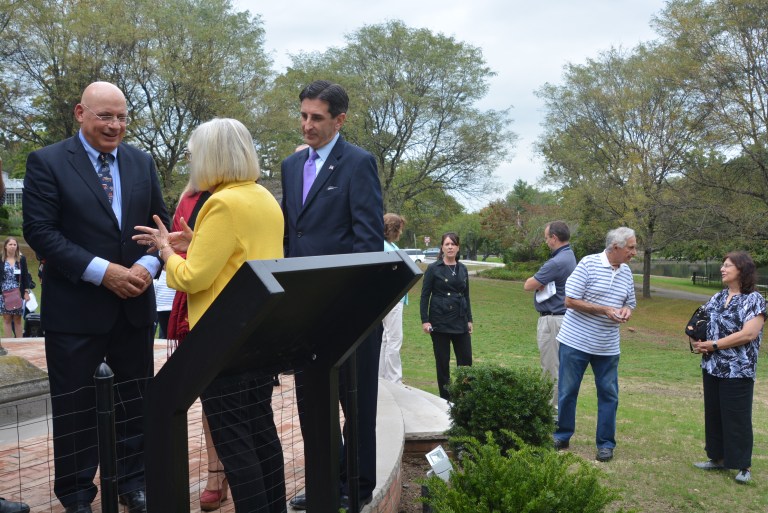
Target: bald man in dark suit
[(82, 198)]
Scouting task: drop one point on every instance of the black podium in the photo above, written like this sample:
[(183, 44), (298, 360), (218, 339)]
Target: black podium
[(305, 313)]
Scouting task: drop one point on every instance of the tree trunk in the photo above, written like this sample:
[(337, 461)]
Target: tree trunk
[(647, 274)]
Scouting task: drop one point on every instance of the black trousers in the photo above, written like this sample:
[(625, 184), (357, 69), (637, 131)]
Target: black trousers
[(441, 344), (72, 360), (239, 412), (162, 321), (367, 398), (728, 420)]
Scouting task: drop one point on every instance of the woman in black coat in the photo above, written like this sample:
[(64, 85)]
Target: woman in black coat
[(446, 313)]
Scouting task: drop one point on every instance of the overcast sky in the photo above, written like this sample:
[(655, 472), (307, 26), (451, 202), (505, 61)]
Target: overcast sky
[(526, 42)]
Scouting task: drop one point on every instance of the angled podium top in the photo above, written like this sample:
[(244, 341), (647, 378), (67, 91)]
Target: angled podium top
[(276, 315)]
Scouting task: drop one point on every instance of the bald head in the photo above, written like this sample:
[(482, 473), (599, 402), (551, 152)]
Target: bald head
[(107, 101), (98, 90)]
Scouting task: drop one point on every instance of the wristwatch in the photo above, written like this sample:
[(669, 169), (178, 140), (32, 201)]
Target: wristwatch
[(714, 346)]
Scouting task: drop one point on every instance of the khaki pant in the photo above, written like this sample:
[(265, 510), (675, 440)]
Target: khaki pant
[(549, 348)]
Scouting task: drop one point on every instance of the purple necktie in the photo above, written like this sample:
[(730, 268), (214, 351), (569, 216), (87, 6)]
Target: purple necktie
[(105, 176), (310, 172)]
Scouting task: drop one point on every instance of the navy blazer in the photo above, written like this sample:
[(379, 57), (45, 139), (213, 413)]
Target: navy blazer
[(68, 221), (343, 212)]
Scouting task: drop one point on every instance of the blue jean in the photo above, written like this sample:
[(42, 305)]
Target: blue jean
[(573, 363)]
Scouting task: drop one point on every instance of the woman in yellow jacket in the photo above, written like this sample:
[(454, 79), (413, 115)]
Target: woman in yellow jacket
[(240, 221)]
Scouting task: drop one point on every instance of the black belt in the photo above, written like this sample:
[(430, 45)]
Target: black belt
[(543, 314)]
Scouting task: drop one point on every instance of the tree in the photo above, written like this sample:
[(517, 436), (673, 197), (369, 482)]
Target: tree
[(616, 132), (412, 96), (179, 62), (724, 45), (426, 215), (515, 226), (467, 227)]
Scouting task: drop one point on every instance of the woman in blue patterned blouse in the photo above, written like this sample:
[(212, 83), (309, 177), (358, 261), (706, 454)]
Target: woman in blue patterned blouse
[(728, 362)]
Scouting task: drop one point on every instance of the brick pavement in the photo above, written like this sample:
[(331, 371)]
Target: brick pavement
[(26, 461)]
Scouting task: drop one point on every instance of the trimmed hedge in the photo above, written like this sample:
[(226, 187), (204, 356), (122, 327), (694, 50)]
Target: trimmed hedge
[(530, 480), (491, 398)]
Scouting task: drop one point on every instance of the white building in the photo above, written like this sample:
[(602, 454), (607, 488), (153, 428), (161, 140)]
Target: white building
[(13, 189)]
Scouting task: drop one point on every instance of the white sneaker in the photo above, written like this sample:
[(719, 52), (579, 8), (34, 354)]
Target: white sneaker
[(744, 476)]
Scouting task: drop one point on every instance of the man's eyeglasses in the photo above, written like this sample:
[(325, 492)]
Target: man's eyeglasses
[(123, 120)]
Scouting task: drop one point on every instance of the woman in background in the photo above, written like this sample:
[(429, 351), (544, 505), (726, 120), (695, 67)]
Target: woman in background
[(729, 364), (15, 278), (446, 313), (240, 221), (390, 365)]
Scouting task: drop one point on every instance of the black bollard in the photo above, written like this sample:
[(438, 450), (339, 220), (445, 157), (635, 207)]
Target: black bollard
[(425, 508), (105, 412)]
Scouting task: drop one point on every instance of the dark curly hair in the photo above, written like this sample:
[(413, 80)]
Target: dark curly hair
[(747, 270)]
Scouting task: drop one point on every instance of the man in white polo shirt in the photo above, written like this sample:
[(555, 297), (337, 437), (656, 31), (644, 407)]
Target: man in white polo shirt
[(599, 295)]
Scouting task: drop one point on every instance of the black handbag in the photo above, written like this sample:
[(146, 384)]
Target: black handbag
[(697, 325)]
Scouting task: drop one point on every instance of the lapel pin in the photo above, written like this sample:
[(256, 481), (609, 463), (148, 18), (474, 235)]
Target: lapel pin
[(330, 168)]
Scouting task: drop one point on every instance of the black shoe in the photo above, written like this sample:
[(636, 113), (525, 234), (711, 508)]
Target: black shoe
[(79, 508), (561, 445), (345, 502), (604, 454), (299, 502), (135, 500), (12, 507)]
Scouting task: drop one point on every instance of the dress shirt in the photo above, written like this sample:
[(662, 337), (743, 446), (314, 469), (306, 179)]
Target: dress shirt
[(322, 153), (95, 271)]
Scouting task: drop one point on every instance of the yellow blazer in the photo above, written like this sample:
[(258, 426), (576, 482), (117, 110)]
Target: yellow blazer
[(240, 221)]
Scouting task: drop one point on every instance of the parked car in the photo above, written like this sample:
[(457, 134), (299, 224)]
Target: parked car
[(431, 252), (417, 255)]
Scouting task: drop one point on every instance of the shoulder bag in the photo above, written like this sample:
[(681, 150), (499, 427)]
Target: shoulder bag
[(12, 299), (697, 325)]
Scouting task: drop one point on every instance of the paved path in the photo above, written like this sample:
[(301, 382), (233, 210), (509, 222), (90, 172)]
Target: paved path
[(674, 294)]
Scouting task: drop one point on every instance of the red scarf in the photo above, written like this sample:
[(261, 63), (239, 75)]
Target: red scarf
[(178, 322)]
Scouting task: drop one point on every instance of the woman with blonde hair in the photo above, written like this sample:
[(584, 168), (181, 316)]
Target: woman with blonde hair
[(240, 221)]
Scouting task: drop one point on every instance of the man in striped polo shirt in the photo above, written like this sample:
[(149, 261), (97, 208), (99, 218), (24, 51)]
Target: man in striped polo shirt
[(599, 295)]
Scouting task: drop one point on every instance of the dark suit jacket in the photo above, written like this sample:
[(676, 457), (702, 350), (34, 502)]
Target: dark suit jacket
[(343, 212), (68, 221)]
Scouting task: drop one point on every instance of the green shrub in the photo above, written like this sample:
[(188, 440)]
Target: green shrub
[(500, 273), (530, 480), (4, 222), (492, 398), (13, 223), (513, 271)]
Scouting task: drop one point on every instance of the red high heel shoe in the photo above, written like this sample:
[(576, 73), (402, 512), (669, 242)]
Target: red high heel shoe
[(210, 500)]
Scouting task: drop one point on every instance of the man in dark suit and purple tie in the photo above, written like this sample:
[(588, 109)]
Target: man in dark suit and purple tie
[(332, 205), (82, 198)]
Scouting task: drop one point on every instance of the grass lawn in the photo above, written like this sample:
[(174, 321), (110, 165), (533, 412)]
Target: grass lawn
[(660, 427)]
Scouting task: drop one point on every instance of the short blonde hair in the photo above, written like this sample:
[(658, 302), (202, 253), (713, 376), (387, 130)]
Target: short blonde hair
[(221, 152)]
